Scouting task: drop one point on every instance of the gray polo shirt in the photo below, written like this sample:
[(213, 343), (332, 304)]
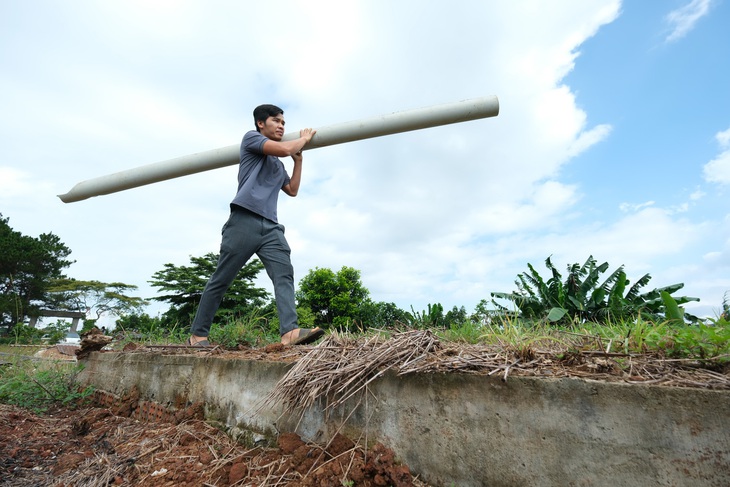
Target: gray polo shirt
[(260, 177)]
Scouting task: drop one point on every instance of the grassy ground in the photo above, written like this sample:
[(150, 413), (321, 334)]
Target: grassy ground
[(675, 341), (11, 350), (33, 383)]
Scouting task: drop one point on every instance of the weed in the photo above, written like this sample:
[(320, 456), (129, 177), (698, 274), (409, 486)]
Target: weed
[(467, 332), (701, 342), (38, 385), (671, 337), (251, 330)]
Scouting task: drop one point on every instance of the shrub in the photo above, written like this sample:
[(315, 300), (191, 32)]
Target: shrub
[(585, 296)]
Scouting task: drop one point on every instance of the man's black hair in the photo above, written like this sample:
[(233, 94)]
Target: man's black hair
[(263, 112)]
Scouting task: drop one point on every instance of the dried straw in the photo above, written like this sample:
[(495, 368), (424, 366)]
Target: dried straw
[(340, 368)]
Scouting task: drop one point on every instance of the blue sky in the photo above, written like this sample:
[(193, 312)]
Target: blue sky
[(613, 138), (665, 99)]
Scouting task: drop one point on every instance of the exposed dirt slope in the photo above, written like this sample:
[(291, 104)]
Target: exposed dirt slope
[(100, 446), (96, 447)]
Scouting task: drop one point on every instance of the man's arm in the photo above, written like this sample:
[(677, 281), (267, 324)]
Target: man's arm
[(296, 177), (288, 148)]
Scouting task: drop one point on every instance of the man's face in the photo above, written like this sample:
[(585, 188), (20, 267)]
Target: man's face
[(273, 127)]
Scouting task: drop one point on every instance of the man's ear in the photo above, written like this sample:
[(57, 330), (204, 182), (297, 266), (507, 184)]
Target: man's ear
[(260, 124)]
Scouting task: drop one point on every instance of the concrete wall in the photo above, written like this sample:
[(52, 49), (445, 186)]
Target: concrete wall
[(469, 430)]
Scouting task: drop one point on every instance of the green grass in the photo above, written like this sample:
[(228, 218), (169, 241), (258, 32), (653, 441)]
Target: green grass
[(255, 330), (40, 384), (708, 341), (20, 350)]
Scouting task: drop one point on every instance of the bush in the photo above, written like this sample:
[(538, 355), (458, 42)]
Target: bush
[(585, 295), (37, 386), (251, 331), (141, 323)]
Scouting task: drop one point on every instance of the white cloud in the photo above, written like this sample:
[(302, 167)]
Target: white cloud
[(446, 214), (634, 207), (158, 82), (684, 19), (718, 169), (723, 138), (16, 183), (589, 138)]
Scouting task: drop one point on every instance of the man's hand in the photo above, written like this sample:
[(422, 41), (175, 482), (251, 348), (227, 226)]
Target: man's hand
[(307, 134), (290, 147), (297, 157)]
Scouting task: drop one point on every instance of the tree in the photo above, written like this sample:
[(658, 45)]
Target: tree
[(184, 286), (456, 317), (583, 297), (28, 265), (138, 322), (381, 315), (95, 297), (335, 299)]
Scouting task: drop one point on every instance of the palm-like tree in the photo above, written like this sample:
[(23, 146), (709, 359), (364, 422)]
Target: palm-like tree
[(584, 296)]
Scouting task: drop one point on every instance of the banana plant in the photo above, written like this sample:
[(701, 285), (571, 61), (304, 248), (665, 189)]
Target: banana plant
[(431, 318), (583, 296)]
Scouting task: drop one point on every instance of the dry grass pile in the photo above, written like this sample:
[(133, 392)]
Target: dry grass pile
[(340, 367)]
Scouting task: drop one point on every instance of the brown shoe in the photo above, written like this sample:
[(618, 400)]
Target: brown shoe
[(198, 344), (307, 336)]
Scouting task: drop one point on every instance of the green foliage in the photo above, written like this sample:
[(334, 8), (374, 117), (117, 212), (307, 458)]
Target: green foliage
[(725, 314), (385, 316), (335, 299), (709, 343), (56, 332), (305, 317), (37, 386), (95, 297), (381, 315), (259, 327), (584, 295), (484, 315), (700, 341), (27, 267), (464, 332), (456, 317), (253, 330), (25, 335), (673, 313), (674, 339), (433, 317), (139, 322), (184, 285)]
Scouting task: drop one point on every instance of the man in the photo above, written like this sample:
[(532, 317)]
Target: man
[(253, 228)]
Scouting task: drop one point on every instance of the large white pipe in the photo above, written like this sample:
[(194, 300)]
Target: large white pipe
[(393, 123)]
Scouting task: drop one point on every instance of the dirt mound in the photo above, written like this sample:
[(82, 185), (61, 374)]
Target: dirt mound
[(96, 447), (59, 352), (341, 459)]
